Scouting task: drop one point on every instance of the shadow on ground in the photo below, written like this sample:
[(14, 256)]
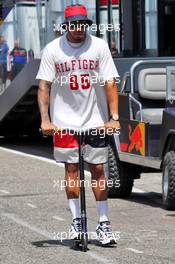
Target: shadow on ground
[(66, 243)]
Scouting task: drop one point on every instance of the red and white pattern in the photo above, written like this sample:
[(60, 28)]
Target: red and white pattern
[(66, 150)]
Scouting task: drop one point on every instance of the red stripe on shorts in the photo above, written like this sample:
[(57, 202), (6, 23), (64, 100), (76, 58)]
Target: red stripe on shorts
[(65, 141)]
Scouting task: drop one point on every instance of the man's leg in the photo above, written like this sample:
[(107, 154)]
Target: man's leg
[(99, 187), (72, 188), (4, 74), (72, 191)]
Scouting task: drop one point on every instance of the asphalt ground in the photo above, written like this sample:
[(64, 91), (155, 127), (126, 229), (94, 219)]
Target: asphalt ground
[(35, 218)]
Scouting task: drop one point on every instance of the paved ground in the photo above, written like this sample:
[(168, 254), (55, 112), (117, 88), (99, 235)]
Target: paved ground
[(34, 214)]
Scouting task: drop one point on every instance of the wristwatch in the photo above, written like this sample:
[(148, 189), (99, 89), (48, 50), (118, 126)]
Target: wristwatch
[(114, 117)]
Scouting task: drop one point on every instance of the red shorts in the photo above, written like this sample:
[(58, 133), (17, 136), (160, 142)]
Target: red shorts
[(95, 147)]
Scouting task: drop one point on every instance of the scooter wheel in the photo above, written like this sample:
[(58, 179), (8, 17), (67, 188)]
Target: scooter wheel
[(77, 243)]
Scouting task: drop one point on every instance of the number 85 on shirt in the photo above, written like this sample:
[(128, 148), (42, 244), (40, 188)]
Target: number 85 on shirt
[(81, 81)]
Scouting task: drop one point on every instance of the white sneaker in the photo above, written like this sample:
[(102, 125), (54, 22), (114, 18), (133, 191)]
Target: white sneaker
[(104, 234), (75, 229)]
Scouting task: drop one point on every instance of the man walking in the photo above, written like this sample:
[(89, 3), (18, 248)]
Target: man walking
[(72, 70)]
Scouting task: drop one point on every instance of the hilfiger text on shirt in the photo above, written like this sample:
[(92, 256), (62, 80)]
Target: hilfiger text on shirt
[(74, 65)]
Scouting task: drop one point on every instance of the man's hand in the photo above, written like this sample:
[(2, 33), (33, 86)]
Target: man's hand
[(48, 128), (111, 124)]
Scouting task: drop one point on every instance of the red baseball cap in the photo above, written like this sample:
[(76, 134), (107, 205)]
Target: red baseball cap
[(74, 13)]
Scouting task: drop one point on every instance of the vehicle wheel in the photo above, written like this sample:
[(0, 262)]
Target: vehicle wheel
[(120, 176), (168, 181)]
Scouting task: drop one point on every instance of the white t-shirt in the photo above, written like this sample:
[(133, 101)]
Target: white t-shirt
[(77, 73)]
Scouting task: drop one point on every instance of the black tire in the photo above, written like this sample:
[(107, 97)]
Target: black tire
[(168, 181), (120, 176)]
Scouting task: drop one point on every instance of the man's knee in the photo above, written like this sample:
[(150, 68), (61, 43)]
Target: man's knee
[(71, 168), (97, 170), (71, 179), (71, 175)]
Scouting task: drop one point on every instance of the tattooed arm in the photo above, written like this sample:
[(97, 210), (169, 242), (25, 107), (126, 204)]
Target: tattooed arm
[(43, 101)]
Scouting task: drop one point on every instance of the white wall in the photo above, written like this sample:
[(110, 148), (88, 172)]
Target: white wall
[(151, 24), (8, 30), (27, 28)]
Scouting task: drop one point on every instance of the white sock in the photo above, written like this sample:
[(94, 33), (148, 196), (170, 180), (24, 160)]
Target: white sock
[(102, 208), (74, 205)]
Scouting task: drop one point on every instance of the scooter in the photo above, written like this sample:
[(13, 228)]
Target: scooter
[(83, 241)]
